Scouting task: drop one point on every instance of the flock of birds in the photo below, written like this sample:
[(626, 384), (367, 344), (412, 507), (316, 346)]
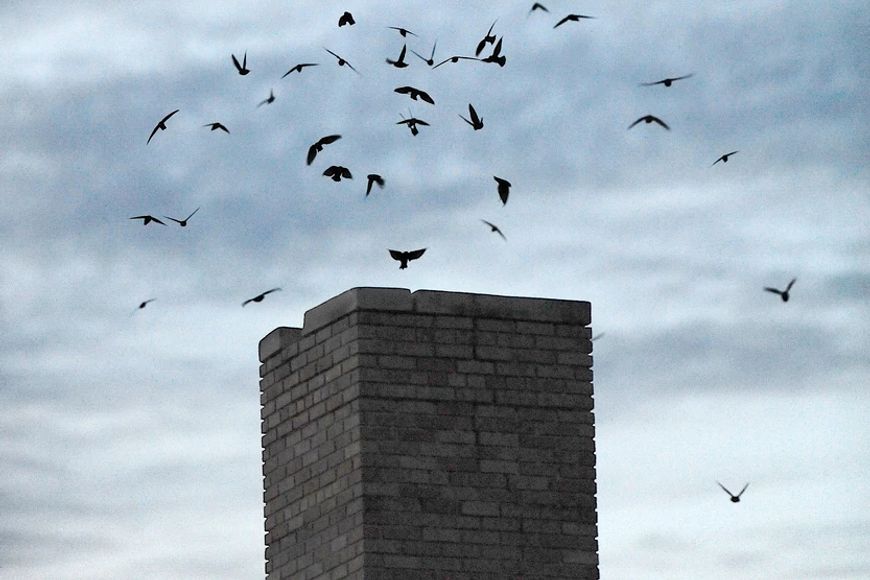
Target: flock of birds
[(474, 120)]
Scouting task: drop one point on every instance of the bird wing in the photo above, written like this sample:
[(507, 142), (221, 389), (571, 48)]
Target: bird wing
[(246, 302), (269, 291), (167, 117), (742, 490), (538, 6), (332, 53), (350, 66), (635, 123), (651, 84), (730, 154), (790, 284), (414, 254), (139, 217), (371, 180), (660, 122), (331, 170), (153, 132), (774, 290), (497, 49), (345, 172), (173, 219), (474, 118), (405, 90), (403, 53), (446, 60), (396, 254), (328, 139), (312, 153), (682, 77), (236, 62), (480, 47), (420, 55), (154, 219), (466, 120), (223, 128), (563, 21), (191, 215), (421, 122), (426, 97), (726, 489)]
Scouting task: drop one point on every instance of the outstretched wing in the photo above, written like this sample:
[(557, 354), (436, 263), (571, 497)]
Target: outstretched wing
[(742, 490), (329, 139), (414, 254), (396, 255), (726, 489), (660, 122), (774, 290), (790, 284)]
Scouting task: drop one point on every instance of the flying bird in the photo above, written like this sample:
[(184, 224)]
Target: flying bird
[(145, 303), (784, 294), (414, 94), (147, 219), (405, 257), (488, 39), (259, 297), (573, 18), (496, 55), (455, 59), (494, 228), (667, 82), (431, 60), (346, 19), (341, 61), (215, 126), (161, 126), (412, 124), (475, 122), (317, 147), (537, 6), (182, 223), (403, 31), (372, 179), (298, 68), (400, 63), (724, 158), (504, 187), (734, 498), (650, 119), (268, 100), (336, 172), (242, 68)]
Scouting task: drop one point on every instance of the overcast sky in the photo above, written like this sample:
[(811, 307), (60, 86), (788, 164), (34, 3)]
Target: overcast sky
[(129, 439)]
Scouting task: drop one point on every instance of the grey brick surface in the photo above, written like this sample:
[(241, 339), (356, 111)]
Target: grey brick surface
[(432, 435)]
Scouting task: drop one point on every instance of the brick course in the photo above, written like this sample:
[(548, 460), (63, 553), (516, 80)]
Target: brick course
[(431, 435)]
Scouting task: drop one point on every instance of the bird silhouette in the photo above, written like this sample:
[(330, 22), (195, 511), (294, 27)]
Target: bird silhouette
[(215, 126), (403, 31), (268, 100), (667, 82), (414, 94), (496, 56), (145, 303), (242, 68), (298, 68), (784, 294), (504, 188), (495, 228), (431, 60), (489, 38), (724, 158), (537, 6), (259, 297), (346, 19), (455, 59), (650, 119), (317, 147), (182, 223), (405, 257), (336, 172), (573, 18), (400, 63), (412, 124), (147, 219), (475, 122), (734, 498), (161, 126), (342, 61), (372, 179)]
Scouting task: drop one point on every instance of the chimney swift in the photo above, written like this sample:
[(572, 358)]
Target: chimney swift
[(431, 60), (147, 219), (784, 294), (734, 498), (475, 122), (650, 119), (414, 94), (495, 228), (573, 18), (336, 172), (372, 179), (182, 223), (317, 147), (503, 188), (215, 126), (259, 297), (161, 126), (298, 68), (724, 158), (667, 82), (242, 68), (404, 257), (341, 61), (400, 63), (346, 19)]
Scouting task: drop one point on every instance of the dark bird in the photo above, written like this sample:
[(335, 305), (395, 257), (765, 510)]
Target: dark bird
[(431, 60), (496, 55), (537, 6), (346, 19), (341, 61), (784, 294), (596, 337), (268, 100), (372, 179), (488, 39), (182, 223), (145, 303), (161, 126), (336, 172), (475, 122), (504, 188), (414, 94), (734, 498), (403, 31), (412, 124), (317, 147), (494, 228), (147, 219), (405, 257), (298, 68), (242, 68), (259, 297), (573, 18), (400, 63), (666, 82), (650, 119), (724, 158), (215, 126), (455, 59)]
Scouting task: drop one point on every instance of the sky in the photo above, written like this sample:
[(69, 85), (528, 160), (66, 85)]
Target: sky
[(129, 439)]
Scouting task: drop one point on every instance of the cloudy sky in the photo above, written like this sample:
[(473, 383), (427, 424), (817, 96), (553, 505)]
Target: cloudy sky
[(129, 439)]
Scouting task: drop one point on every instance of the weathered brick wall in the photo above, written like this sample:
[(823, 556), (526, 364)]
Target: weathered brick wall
[(468, 438)]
